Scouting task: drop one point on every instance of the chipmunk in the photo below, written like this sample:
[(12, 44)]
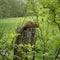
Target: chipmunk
[(28, 24)]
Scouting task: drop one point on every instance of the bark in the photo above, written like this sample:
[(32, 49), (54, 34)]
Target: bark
[(27, 36)]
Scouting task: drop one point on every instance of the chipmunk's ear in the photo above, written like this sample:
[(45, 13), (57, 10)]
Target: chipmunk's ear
[(19, 29), (28, 24)]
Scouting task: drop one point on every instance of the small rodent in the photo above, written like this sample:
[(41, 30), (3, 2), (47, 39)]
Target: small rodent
[(28, 24)]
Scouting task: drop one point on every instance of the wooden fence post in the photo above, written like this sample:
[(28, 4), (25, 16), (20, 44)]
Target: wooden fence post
[(27, 36)]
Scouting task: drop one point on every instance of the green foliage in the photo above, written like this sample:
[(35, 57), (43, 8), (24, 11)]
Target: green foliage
[(8, 35), (12, 8), (48, 38), (48, 34), (26, 47)]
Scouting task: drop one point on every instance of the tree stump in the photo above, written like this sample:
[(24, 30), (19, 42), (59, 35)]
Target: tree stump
[(27, 37)]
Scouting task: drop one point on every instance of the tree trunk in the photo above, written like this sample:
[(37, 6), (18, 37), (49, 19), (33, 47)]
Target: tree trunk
[(26, 37)]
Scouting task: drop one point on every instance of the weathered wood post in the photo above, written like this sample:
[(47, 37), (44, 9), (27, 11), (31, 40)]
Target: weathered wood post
[(27, 37)]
